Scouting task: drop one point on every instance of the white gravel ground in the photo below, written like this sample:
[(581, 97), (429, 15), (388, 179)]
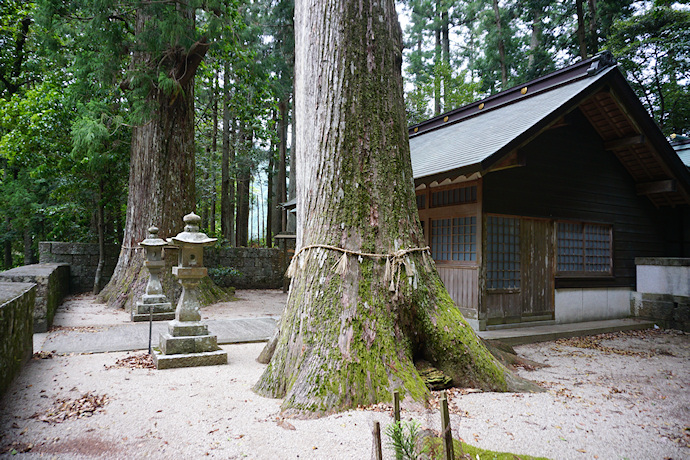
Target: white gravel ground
[(598, 404)]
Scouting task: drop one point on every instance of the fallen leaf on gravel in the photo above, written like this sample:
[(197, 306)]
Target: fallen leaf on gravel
[(285, 424), (16, 447), (43, 355), (62, 330), (140, 361), (65, 409), (594, 342)]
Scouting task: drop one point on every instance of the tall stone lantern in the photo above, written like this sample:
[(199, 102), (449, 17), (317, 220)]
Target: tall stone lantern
[(188, 342), (153, 305)]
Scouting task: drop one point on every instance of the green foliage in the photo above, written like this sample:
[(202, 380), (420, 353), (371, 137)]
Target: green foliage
[(405, 439), (34, 129), (220, 275), (653, 49)]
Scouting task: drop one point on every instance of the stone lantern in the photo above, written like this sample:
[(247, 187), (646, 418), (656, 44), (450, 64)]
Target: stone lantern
[(153, 305), (188, 342)]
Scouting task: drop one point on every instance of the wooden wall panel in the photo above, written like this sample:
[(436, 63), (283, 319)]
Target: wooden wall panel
[(537, 266), (502, 306), (462, 284), (568, 175)]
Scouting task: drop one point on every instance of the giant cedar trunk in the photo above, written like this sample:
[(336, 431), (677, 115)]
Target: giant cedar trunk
[(346, 339), (161, 175)]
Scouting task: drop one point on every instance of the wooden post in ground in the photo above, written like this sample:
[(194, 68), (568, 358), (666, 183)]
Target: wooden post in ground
[(378, 453), (396, 406), (445, 428), (396, 415)]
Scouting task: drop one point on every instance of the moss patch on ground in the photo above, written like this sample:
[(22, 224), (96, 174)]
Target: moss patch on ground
[(466, 451)]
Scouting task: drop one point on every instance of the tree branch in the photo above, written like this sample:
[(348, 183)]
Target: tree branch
[(186, 69), (19, 47)]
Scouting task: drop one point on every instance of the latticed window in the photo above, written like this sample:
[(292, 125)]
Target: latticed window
[(584, 248), (454, 239), (502, 253), (421, 201), (454, 196)]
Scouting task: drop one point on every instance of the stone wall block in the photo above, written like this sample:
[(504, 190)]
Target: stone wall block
[(16, 329)]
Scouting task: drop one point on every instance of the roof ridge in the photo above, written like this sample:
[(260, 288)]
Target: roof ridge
[(582, 69)]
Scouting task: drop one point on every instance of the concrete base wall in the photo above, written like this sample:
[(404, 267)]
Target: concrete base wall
[(52, 285), (663, 276), (16, 329), (663, 291), (577, 305)]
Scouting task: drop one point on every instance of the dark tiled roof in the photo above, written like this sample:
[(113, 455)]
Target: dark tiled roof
[(470, 135), (482, 135)]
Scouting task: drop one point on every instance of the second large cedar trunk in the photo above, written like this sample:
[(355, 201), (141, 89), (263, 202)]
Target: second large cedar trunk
[(161, 175)]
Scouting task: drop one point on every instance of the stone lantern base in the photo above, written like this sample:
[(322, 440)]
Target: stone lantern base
[(161, 308), (188, 344)]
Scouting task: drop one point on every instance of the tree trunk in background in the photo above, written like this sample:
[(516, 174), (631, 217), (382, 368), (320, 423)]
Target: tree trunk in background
[(292, 187), (535, 41), (270, 199), (28, 243), (501, 47), (593, 28), (227, 185), (445, 52), (213, 157), (581, 29), (280, 225), (437, 77), (244, 177), (161, 175), (7, 248), (100, 226), (7, 244), (345, 339)]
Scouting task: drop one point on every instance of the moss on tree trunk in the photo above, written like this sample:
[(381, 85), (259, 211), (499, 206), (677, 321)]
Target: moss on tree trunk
[(347, 339), (161, 177)]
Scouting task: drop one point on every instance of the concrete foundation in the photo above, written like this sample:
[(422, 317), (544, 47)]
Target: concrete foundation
[(663, 291), (209, 358), (160, 309), (578, 305)]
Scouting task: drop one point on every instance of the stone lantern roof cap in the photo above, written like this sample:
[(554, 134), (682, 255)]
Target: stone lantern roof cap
[(152, 240), (191, 233)]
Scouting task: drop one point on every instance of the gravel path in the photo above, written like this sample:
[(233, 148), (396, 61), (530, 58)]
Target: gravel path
[(620, 396)]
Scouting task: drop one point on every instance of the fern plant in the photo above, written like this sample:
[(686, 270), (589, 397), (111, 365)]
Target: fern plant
[(405, 438)]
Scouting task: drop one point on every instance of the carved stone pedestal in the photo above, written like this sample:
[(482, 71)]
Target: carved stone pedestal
[(188, 342)]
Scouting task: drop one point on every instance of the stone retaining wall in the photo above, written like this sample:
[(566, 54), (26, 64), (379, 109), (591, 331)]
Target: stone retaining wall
[(663, 291), (52, 285), (244, 268), (254, 268), (16, 329), (83, 260)]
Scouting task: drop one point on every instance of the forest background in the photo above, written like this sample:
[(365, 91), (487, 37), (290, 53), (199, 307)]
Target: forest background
[(70, 95)]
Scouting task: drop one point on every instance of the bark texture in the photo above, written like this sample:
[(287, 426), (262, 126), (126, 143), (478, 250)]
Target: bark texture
[(161, 175), (345, 339)]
